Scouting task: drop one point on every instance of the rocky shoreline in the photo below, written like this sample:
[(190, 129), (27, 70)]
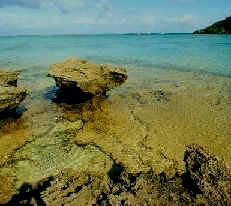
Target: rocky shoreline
[(104, 151)]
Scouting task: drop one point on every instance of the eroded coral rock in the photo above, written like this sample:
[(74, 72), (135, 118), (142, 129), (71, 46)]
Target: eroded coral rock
[(98, 180), (10, 95), (89, 78), (209, 174)]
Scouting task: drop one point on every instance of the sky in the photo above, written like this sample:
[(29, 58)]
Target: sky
[(108, 16)]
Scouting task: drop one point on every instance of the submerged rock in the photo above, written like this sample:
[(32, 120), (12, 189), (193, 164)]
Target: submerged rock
[(10, 95), (87, 77)]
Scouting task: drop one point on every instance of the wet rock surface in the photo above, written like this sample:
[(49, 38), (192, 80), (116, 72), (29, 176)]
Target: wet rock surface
[(128, 148), (10, 95), (69, 164), (116, 186), (87, 77), (45, 158)]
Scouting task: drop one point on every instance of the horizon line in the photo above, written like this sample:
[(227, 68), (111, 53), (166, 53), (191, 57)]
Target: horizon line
[(95, 34)]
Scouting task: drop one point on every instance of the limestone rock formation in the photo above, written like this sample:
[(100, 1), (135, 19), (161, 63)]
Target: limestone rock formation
[(87, 77), (10, 95)]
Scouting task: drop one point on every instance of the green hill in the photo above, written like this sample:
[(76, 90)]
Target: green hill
[(220, 27)]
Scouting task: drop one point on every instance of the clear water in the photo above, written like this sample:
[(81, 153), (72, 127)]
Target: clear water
[(33, 54)]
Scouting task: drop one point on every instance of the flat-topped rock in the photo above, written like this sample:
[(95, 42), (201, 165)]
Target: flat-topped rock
[(10, 95), (90, 78), (8, 78)]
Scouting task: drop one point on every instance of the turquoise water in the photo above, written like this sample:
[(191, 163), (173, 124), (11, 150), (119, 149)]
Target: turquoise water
[(33, 54)]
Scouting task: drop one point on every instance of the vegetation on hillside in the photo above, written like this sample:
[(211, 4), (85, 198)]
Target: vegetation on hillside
[(220, 27)]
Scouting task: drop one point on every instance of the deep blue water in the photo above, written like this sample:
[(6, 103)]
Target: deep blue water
[(186, 52)]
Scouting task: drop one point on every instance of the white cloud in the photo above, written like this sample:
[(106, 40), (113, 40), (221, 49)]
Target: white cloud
[(84, 20), (187, 19), (62, 5), (148, 19)]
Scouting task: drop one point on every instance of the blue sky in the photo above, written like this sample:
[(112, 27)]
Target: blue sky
[(108, 16)]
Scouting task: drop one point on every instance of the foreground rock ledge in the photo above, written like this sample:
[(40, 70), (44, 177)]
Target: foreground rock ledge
[(89, 78), (10, 95), (95, 179)]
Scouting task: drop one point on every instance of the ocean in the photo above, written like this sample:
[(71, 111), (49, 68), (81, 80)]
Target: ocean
[(32, 55), (184, 52)]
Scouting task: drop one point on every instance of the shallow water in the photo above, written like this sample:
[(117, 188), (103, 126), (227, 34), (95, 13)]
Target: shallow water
[(208, 53), (183, 52), (143, 125)]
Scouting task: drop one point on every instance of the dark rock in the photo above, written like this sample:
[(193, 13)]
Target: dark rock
[(89, 78)]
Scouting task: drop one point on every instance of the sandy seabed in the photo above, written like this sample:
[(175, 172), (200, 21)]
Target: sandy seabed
[(66, 153)]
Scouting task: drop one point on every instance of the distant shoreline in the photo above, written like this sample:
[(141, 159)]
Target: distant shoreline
[(219, 27), (107, 34)]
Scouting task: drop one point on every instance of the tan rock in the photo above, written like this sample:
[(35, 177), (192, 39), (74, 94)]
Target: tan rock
[(10, 95), (90, 78), (8, 78)]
